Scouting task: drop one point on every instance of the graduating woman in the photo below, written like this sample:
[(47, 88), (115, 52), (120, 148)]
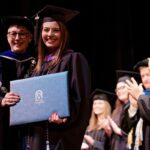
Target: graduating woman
[(55, 56)]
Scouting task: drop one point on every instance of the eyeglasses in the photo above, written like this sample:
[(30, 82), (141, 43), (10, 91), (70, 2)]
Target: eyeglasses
[(22, 35), (120, 88)]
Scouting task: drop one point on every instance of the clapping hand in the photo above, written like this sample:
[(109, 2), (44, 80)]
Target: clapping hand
[(114, 126), (134, 89)]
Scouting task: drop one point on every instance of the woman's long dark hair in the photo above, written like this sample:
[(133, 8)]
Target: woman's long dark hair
[(43, 50)]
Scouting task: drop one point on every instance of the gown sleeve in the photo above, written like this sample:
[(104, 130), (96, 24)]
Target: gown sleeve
[(144, 107), (80, 86)]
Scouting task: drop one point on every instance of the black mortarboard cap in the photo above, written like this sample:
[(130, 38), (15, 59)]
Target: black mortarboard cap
[(144, 62), (57, 13), (99, 94), (7, 21), (123, 75), (51, 13)]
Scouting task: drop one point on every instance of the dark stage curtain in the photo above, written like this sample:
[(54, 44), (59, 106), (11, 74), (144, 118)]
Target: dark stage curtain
[(112, 34)]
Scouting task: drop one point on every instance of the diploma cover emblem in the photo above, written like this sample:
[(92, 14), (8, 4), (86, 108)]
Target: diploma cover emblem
[(39, 97)]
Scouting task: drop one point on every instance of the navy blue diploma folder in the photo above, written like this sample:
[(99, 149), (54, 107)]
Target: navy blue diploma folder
[(40, 97)]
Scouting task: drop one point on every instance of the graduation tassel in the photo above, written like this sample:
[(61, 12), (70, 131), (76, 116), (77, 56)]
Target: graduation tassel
[(47, 145), (47, 138), (36, 28), (28, 147)]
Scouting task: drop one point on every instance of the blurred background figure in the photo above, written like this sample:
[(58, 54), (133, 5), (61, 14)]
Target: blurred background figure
[(136, 117), (97, 136), (119, 137)]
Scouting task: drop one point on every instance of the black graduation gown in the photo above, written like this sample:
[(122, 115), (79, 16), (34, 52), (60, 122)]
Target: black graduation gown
[(101, 140), (119, 141), (70, 134), (144, 113), (12, 66)]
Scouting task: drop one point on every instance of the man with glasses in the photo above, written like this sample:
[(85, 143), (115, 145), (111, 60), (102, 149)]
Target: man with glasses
[(22, 35), (15, 63)]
